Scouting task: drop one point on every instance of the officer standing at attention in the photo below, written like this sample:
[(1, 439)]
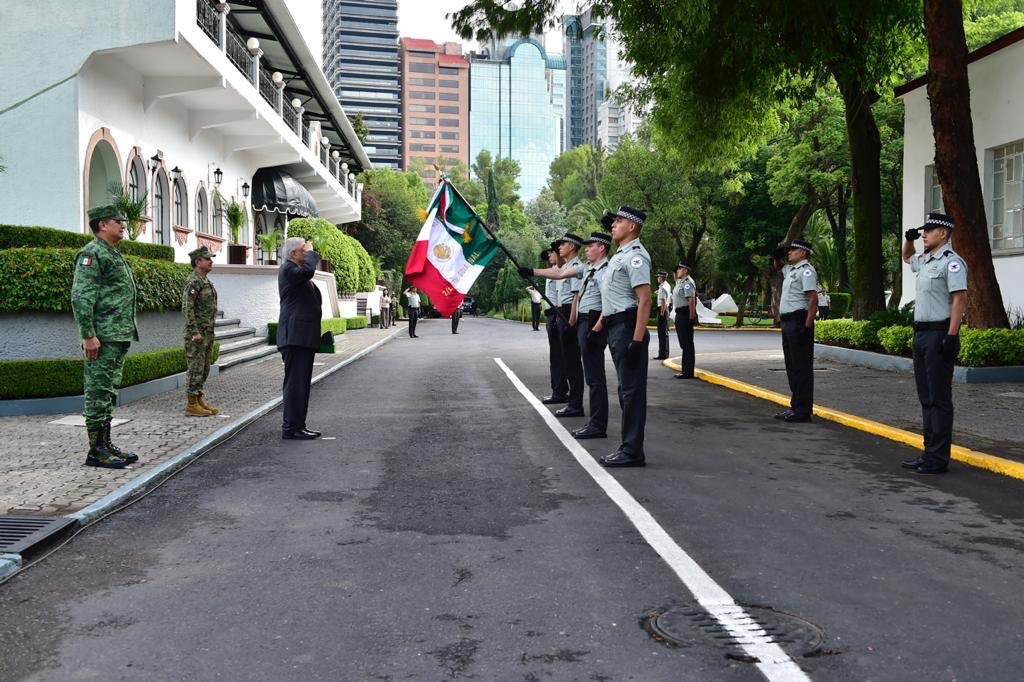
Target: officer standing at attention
[(664, 296), (199, 306), (684, 300), (625, 307), (456, 316), (104, 299), (571, 275), (553, 291), (938, 309), (586, 311), (413, 299), (797, 309), (535, 299)]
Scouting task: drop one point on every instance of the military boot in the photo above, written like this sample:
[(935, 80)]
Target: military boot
[(128, 457), (194, 409), (209, 408), (100, 455)]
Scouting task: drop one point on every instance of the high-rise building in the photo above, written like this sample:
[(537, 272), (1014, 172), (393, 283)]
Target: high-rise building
[(435, 105), (517, 107), (615, 121), (593, 72), (361, 63)]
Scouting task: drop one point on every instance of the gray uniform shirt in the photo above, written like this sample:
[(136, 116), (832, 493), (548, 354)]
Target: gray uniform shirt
[(684, 290), (630, 267), (797, 280), (414, 299), (939, 274), (664, 294), (571, 285), (590, 298), (553, 289)]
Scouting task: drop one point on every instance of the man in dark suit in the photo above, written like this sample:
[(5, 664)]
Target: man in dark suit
[(298, 333)]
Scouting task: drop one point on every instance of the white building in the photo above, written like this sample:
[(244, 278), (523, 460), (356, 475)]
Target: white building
[(997, 100), (172, 99), (615, 121)]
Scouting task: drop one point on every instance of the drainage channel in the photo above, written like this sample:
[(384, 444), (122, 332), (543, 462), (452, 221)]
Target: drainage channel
[(691, 625), (26, 535)]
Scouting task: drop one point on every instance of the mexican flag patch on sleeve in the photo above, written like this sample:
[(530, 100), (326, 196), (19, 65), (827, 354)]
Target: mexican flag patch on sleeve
[(86, 260)]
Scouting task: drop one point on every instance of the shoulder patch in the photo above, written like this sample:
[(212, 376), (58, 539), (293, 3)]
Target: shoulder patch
[(86, 261), (807, 272), (686, 286), (636, 261), (954, 266), (193, 292)]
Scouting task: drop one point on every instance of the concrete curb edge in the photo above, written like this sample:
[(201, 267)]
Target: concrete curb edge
[(981, 460), (9, 565)]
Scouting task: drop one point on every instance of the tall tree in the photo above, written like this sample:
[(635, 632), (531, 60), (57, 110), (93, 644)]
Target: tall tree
[(505, 172), (575, 175), (547, 214), (390, 222), (956, 161)]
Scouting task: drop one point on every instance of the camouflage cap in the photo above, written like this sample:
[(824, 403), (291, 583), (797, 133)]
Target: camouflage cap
[(108, 212), (201, 252)]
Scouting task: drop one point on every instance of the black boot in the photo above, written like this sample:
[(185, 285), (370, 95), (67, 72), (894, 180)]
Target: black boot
[(128, 457), (101, 456)]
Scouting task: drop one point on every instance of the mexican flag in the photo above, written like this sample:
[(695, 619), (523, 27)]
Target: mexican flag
[(451, 250)]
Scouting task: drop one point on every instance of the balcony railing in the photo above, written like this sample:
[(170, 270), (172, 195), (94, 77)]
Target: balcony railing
[(214, 24)]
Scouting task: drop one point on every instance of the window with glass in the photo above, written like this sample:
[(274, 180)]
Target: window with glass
[(448, 71), (450, 148), (418, 67), (448, 96), (421, 94), (449, 123), (421, 81), (161, 230), (448, 83), (201, 223), (218, 215), (136, 175), (180, 208), (417, 147), (423, 134), (448, 109), (934, 199), (422, 121), (1007, 228), (447, 135), (422, 108)]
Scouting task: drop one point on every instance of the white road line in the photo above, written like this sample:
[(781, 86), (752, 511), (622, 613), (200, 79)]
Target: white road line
[(774, 663)]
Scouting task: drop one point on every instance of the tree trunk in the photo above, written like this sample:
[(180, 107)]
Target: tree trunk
[(866, 186), (799, 222), (956, 160)]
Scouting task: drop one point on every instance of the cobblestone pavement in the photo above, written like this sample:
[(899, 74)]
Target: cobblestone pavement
[(41, 470), (987, 415)]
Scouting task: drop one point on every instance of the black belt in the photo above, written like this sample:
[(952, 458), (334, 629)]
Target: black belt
[(795, 315), (566, 307), (939, 326), (627, 316)]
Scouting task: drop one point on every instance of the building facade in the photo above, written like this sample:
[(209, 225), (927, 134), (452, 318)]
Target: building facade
[(517, 107), (615, 121), (435, 106), (587, 87), (362, 64), (997, 98)]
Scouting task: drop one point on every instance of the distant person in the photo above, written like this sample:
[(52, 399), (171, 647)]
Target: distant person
[(199, 306), (104, 300), (684, 301), (664, 297), (385, 309), (823, 303), (798, 306), (535, 299), (298, 333), (456, 316), (556, 365), (413, 304)]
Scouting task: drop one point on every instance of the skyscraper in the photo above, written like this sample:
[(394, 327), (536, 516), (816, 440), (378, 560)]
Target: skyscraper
[(361, 62), (517, 110), (592, 72)]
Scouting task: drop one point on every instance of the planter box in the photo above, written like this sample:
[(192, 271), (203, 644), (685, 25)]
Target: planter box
[(325, 265), (238, 254), (895, 363)]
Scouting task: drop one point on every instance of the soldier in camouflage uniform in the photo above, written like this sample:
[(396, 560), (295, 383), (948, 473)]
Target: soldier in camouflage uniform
[(199, 306), (104, 300)]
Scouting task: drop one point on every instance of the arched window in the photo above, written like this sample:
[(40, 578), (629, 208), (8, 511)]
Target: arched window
[(136, 178), (202, 224), (218, 215), (180, 204), (161, 212), (260, 220)]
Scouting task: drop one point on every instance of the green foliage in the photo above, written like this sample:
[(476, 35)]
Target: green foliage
[(132, 209), (335, 325), (334, 245), (271, 242), (391, 217), (375, 320), (506, 176), (40, 280), (547, 214), (839, 303), (991, 347), (49, 378), (14, 236), (360, 128), (234, 215), (978, 347), (842, 332), (576, 175), (897, 340), (358, 322)]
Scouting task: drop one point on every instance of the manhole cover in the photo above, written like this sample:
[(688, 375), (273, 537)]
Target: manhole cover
[(691, 624)]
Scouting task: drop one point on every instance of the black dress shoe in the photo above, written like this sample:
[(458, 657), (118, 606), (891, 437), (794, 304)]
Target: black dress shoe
[(783, 414), (315, 434), (588, 431), (659, 357), (912, 463), (620, 459), (681, 375), (569, 412), (932, 468), (298, 434), (794, 418), (554, 399)]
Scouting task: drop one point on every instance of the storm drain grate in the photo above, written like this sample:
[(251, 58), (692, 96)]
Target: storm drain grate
[(21, 534), (691, 624)]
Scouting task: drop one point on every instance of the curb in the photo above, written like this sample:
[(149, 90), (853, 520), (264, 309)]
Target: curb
[(9, 565), (981, 460)]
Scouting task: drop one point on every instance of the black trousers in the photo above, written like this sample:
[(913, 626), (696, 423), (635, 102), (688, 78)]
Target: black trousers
[(662, 335), (455, 322), (632, 384), (298, 372), (934, 378), (684, 332), (414, 314), (559, 384), (535, 315), (593, 370), (799, 356), (571, 358)]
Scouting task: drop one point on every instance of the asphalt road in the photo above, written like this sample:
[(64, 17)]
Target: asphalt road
[(447, 533)]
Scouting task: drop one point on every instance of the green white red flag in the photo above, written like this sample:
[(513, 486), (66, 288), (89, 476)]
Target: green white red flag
[(451, 251)]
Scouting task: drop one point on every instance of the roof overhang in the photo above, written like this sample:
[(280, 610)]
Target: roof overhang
[(984, 51)]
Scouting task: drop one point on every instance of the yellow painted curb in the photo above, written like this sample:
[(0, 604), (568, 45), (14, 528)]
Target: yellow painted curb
[(993, 463)]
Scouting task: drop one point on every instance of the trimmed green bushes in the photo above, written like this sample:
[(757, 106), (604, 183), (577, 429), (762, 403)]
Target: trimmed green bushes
[(49, 378), (335, 325), (991, 347), (839, 304), (39, 279), (21, 236), (897, 340), (356, 322), (354, 269)]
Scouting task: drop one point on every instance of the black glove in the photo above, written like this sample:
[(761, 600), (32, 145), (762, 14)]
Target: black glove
[(634, 353), (593, 341), (525, 272), (950, 348), (806, 334), (912, 235)]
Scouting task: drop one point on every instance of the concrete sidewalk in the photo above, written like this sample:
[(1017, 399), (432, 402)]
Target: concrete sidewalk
[(987, 415), (41, 469)]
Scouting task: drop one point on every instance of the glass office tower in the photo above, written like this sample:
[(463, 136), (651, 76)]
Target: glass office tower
[(517, 108), (588, 81)]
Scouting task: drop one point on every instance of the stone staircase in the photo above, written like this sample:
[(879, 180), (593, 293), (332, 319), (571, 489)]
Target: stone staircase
[(238, 344)]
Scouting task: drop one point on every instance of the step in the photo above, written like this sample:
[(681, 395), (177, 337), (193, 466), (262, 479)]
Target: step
[(249, 355), (224, 322), (243, 344), (233, 333)]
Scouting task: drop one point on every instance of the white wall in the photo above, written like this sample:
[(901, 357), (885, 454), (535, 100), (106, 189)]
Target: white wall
[(26, 336), (997, 100)]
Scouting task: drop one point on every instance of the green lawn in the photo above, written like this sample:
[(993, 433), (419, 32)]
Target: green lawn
[(730, 321)]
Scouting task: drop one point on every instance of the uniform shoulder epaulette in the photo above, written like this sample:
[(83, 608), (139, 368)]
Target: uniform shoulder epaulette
[(948, 252)]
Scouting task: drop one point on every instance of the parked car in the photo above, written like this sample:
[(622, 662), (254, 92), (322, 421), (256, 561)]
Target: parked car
[(469, 306)]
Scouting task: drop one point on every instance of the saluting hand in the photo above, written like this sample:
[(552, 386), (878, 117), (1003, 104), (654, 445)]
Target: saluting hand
[(91, 346)]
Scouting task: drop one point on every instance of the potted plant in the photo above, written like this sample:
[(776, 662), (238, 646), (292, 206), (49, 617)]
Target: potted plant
[(235, 216), (271, 242), (133, 210)]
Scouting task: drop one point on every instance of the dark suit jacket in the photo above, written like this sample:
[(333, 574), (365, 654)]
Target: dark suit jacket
[(299, 321)]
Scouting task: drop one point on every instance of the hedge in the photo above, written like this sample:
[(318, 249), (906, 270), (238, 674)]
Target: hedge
[(25, 236), (335, 325), (839, 304), (34, 279), (50, 377), (356, 322), (897, 340), (354, 269), (978, 347)]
